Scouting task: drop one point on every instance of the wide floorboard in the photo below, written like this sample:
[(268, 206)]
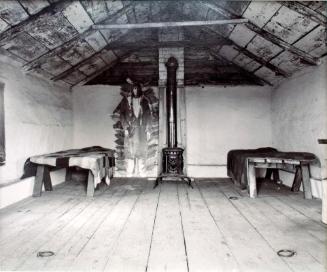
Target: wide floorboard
[(129, 226)]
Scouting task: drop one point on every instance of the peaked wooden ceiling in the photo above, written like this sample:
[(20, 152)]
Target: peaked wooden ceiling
[(55, 39)]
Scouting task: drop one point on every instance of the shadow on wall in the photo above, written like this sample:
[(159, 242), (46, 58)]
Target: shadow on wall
[(137, 131)]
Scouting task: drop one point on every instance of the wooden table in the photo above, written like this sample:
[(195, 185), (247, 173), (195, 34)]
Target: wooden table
[(97, 160), (300, 167)]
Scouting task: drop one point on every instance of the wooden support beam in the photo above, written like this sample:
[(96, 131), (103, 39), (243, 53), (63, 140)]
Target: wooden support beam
[(170, 24), (158, 44), (265, 34), (306, 11)]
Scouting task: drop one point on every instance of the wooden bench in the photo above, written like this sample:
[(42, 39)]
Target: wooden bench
[(299, 167), (97, 160)]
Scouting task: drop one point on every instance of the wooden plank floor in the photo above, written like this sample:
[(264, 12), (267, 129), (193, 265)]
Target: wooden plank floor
[(129, 226)]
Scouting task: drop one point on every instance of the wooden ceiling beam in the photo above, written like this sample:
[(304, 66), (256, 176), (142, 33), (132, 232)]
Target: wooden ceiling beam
[(169, 24), (265, 34), (305, 11), (158, 44)]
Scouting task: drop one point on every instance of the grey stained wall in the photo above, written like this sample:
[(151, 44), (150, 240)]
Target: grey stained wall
[(223, 118), (38, 119), (299, 118)]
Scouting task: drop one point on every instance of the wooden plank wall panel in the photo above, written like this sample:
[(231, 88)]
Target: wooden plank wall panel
[(34, 6), (92, 66), (78, 17), (24, 46), (96, 41), (76, 51), (263, 48), (51, 30), (315, 42), (260, 13), (96, 9), (289, 25), (52, 64), (289, 62), (12, 12)]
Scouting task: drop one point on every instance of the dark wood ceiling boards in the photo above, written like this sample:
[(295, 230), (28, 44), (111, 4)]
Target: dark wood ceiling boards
[(55, 39)]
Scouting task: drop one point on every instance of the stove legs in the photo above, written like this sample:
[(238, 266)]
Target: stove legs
[(161, 178)]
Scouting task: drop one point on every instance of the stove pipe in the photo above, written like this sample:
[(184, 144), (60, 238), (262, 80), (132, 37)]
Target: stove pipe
[(171, 102)]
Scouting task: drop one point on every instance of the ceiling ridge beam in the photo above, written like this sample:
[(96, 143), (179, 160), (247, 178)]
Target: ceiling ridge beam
[(306, 11), (170, 24), (265, 34)]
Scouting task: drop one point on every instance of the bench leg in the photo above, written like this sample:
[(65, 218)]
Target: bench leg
[(90, 185), (47, 179), (306, 181), (69, 173), (275, 175), (297, 179), (269, 172), (252, 186), (42, 177)]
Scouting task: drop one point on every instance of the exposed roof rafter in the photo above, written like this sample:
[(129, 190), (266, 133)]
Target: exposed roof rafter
[(83, 35), (306, 11), (246, 52), (265, 34)]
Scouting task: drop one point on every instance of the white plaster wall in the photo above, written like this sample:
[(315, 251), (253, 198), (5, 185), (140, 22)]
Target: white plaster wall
[(38, 119), (223, 118), (299, 119), (93, 106)]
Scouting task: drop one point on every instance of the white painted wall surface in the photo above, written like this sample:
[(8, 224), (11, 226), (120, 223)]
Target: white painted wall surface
[(299, 119), (38, 119), (93, 106), (220, 119)]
